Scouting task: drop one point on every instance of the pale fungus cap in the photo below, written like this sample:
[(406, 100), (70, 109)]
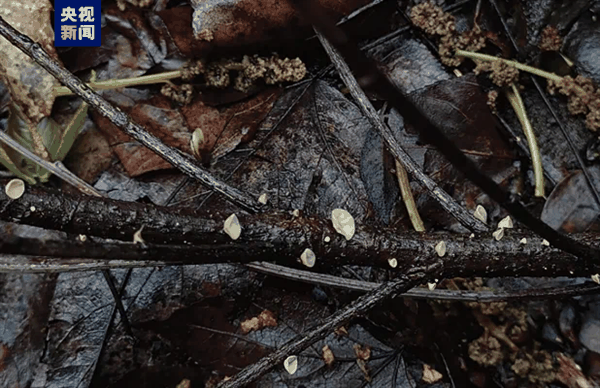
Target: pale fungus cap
[(308, 258), (343, 223), (232, 227), (498, 234), (440, 248), (15, 188), (263, 198), (480, 213), (196, 142), (506, 222), (291, 364)]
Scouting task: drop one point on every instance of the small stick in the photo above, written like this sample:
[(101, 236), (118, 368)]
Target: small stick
[(514, 97)]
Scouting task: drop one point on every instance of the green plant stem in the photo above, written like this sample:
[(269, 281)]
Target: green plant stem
[(520, 66), (123, 83), (407, 197), (514, 97)]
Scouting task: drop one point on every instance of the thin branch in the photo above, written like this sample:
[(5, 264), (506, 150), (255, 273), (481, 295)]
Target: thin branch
[(518, 65), (41, 264), (445, 200), (280, 238), (484, 296), (408, 198), (183, 162), (151, 79), (514, 97), (354, 309)]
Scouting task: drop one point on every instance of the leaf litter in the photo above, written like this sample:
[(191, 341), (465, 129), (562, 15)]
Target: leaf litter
[(328, 177)]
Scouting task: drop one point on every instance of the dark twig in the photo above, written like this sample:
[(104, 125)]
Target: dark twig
[(356, 308), (445, 200), (183, 162), (274, 236), (484, 296), (118, 303)]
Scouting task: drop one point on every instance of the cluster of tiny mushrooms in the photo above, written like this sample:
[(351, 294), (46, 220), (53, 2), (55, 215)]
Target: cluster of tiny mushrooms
[(342, 221)]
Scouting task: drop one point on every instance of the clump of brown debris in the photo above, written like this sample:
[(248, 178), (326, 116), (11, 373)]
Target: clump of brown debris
[(250, 70), (435, 21), (584, 98), (550, 39), (502, 74), (179, 93)]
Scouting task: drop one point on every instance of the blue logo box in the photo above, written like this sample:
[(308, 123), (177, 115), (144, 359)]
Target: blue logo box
[(77, 23)]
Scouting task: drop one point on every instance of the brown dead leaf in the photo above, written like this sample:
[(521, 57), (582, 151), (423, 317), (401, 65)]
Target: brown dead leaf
[(234, 23), (243, 121), (29, 84), (570, 374), (224, 131), (90, 155), (158, 118), (209, 119)]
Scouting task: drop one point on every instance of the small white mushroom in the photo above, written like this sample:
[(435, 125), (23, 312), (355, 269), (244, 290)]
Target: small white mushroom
[(393, 263), (15, 188), (343, 223), (432, 286), (327, 239), (196, 142), (308, 258), (296, 213), (263, 198), (480, 213), (545, 242), (291, 364), (523, 241), (472, 235), (82, 237), (596, 278), (498, 234), (137, 236), (506, 222), (32, 208), (232, 227), (440, 248)]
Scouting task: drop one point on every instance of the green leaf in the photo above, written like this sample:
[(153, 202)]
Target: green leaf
[(59, 150), (18, 129)]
